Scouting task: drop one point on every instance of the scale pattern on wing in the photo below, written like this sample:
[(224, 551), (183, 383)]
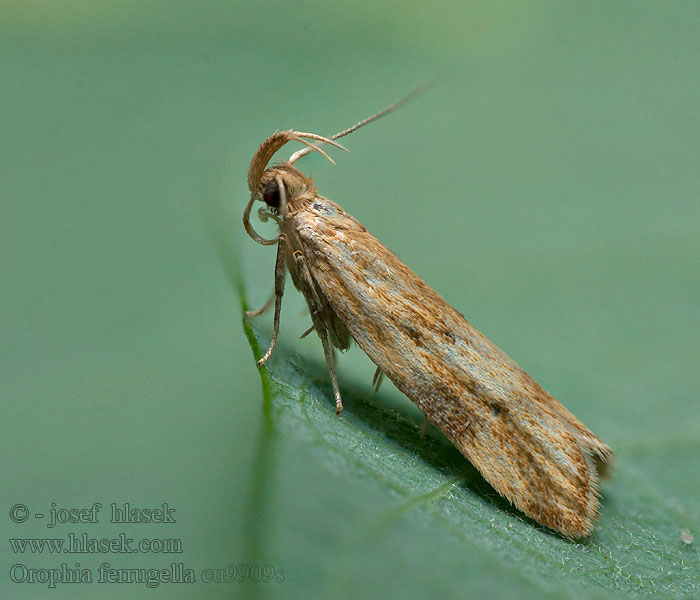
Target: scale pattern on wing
[(527, 445)]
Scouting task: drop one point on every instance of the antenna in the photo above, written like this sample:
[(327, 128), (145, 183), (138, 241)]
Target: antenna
[(389, 109)]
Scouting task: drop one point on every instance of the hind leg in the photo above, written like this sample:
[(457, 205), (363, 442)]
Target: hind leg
[(316, 308)]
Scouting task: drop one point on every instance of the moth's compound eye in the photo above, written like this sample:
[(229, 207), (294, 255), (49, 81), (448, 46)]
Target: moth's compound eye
[(271, 195)]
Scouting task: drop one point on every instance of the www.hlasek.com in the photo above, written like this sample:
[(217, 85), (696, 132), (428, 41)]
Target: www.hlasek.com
[(83, 544)]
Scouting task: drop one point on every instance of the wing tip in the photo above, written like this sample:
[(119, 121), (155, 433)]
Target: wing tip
[(598, 456), (572, 514)]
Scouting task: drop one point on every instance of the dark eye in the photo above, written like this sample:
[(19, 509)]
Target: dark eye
[(271, 195)]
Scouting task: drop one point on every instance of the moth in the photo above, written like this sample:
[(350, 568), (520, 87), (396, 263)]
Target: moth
[(527, 445)]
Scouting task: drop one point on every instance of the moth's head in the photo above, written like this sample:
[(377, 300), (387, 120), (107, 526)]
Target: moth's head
[(280, 184), (295, 184)]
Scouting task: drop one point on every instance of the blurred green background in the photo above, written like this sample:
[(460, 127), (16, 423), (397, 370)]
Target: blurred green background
[(547, 186)]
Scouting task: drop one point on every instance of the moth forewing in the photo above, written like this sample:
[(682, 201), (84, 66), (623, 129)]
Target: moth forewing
[(528, 446), (525, 443)]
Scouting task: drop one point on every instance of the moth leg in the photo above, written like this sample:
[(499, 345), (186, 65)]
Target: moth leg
[(377, 379), (319, 325), (307, 332), (249, 314), (280, 273), (424, 427)]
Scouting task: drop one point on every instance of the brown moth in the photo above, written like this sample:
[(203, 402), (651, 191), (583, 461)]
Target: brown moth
[(529, 447)]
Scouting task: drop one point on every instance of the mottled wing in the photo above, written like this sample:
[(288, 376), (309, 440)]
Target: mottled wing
[(529, 447)]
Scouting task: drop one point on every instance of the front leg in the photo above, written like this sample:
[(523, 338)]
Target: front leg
[(316, 309), (280, 272)]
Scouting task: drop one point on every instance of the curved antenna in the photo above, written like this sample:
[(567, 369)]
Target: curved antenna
[(385, 111), (267, 149), (258, 164)]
